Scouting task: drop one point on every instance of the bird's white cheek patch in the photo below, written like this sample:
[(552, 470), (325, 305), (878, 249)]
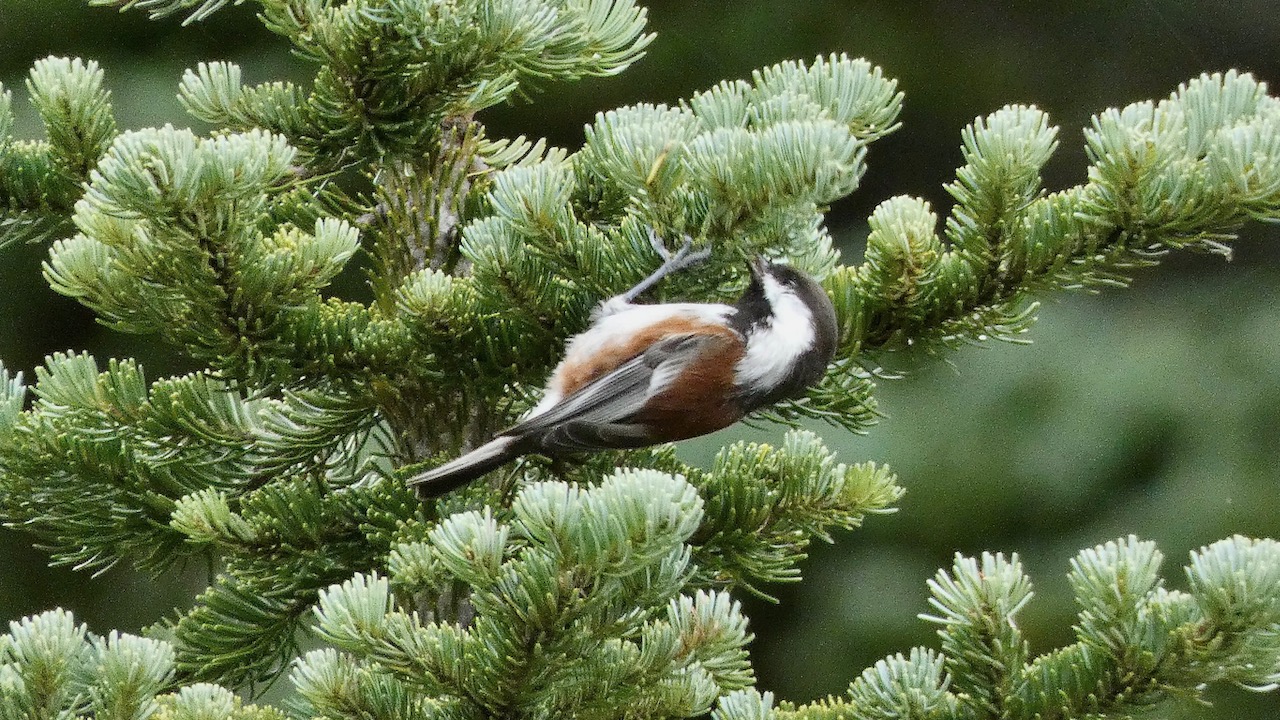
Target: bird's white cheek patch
[(774, 347)]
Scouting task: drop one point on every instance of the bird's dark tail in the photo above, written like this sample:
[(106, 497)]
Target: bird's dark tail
[(458, 472)]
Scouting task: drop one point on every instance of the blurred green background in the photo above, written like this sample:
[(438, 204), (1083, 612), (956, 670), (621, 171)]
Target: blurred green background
[(1153, 411)]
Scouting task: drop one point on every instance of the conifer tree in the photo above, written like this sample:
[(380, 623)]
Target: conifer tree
[(603, 589)]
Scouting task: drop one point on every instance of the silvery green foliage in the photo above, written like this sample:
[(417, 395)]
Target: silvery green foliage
[(39, 180), (577, 591), (51, 667)]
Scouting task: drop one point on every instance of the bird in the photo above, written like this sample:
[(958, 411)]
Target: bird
[(648, 373)]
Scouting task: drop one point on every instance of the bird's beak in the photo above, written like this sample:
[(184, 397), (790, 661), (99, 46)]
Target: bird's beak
[(757, 266)]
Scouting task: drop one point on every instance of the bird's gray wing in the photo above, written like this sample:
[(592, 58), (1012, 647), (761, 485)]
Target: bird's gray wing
[(595, 417)]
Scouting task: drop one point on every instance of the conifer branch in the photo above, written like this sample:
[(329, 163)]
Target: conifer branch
[(1184, 173), (53, 667), (577, 609), (1137, 643), (764, 504), (159, 9), (39, 180)]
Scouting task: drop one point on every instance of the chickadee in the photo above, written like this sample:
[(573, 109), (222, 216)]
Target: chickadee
[(648, 374)]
